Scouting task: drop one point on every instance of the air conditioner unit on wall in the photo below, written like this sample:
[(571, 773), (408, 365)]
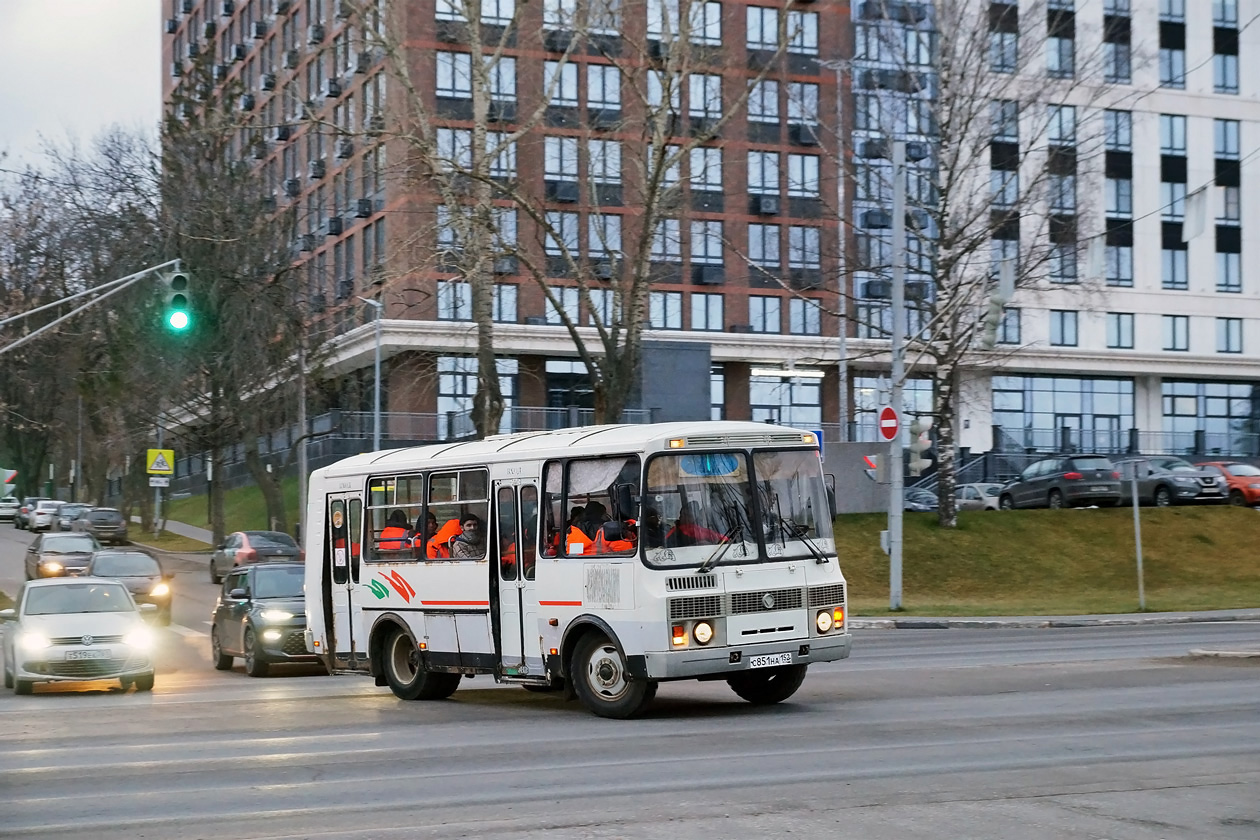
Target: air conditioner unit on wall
[(363, 208), (768, 205)]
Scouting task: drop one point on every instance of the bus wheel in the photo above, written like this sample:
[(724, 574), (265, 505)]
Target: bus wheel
[(602, 684), (768, 686), (406, 675)]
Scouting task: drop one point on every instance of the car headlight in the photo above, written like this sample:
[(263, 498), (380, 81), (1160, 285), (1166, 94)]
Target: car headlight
[(160, 590), (32, 642), (51, 566), (141, 639), (702, 632), (276, 615), (823, 621), (1186, 480)]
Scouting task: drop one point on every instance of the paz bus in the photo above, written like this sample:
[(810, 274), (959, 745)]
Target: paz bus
[(597, 561)]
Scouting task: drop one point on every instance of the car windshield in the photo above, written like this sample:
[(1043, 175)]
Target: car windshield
[(68, 544), (270, 539), (279, 583), (705, 503), (1176, 465), (105, 516), (77, 598), (48, 506), (72, 510), (1242, 469), (132, 564), (1091, 464)]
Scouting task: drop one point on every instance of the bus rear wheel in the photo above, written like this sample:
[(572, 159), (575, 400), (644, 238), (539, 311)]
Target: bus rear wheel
[(765, 687), (405, 673), (602, 683)]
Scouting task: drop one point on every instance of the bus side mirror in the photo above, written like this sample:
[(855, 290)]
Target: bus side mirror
[(623, 498), (830, 481)]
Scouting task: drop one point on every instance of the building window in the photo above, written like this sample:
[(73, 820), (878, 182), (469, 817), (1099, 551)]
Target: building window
[(1119, 198), (1177, 332), (1120, 330), (502, 153), (1229, 335), (1172, 134), (763, 173), (1033, 412), (562, 81), (1225, 73), (1009, 327), (567, 300), (717, 393), (1005, 116), (790, 401), (1005, 186), (1120, 266), (1173, 270), (1230, 206), (665, 311), (667, 241), (1003, 51), (705, 96), (562, 234), (504, 303), (803, 176), (1062, 128), (1063, 327), (560, 158), (802, 103), (605, 161), (1225, 13), (802, 33), (707, 312), (1117, 63), (762, 28), (454, 301), (602, 309), (454, 75), (706, 169), (763, 102), (763, 314), (803, 247), (603, 236), (1060, 57), (502, 72), (1173, 198), (763, 246), (706, 243), (1118, 128), (1229, 273), (1172, 68), (1063, 262), (603, 87), (804, 317), (1226, 136), (457, 384), (1062, 194)]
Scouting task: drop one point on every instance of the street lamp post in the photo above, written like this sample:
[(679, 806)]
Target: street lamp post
[(897, 504), (376, 396)]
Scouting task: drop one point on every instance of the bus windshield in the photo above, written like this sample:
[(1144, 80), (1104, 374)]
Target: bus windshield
[(697, 504)]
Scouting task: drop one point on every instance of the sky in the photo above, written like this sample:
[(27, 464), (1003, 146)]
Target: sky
[(73, 68)]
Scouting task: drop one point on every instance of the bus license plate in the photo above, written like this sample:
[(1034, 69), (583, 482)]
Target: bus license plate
[(769, 660), (87, 654)]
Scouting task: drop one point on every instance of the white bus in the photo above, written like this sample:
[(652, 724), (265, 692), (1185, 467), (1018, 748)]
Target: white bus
[(598, 561)]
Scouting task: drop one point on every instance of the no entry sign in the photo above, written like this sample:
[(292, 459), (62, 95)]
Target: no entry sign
[(889, 423)]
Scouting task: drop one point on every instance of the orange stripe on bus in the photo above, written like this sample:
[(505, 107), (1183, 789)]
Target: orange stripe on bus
[(559, 603)]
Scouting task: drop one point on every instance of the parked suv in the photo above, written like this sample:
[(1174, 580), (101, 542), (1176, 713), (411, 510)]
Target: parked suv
[(106, 524), (1064, 481), (1165, 481)]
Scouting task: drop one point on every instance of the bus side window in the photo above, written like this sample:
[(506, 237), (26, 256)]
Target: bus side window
[(505, 520), (557, 519), (528, 546)]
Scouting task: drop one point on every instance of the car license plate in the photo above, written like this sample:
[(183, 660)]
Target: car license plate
[(1098, 488), (769, 660), (87, 654)]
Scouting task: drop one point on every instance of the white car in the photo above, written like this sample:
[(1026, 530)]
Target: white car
[(9, 507), (76, 629), (983, 496), (45, 515)]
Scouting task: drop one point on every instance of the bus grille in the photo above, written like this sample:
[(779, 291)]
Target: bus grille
[(696, 606), (682, 584), (821, 596), (753, 602)]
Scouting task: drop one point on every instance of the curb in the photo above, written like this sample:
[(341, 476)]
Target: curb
[(1226, 654), (1043, 623)]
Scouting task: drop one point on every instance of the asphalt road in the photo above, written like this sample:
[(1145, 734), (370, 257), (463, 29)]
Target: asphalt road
[(1103, 732)]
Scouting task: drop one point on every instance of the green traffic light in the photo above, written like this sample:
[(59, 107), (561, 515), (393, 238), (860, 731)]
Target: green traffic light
[(178, 320)]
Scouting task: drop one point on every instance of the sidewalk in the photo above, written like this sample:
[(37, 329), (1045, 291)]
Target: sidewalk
[(192, 532)]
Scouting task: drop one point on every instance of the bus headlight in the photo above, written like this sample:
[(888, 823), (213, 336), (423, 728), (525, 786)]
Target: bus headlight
[(823, 621), (703, 632)]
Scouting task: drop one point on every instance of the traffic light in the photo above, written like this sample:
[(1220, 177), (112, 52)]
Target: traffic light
[(996, 307), (919, 444), (178, 311), (876, 468)]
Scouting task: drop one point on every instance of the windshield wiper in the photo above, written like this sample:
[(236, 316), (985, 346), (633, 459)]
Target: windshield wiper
[(728, 539), (798, 532)]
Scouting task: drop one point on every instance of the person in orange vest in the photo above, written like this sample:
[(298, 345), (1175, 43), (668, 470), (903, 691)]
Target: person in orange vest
[(507, 558), (612, 538), (438, 547), (394, 537)]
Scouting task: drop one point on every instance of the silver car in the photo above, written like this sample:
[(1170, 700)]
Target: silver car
[(44, 516), (982, 496), (73, 629), (9, 507)]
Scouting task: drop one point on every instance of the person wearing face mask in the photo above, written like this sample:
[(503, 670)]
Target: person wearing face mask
[(471, 544)]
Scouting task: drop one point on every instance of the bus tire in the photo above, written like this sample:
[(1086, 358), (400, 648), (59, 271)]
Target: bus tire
[(765, 687), (599, 675), (405, 673)]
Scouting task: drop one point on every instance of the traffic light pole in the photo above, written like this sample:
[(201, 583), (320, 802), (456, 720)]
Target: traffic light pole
[(897, 489)]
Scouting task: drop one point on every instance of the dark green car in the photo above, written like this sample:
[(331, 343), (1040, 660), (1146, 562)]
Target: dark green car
[(261, 617)]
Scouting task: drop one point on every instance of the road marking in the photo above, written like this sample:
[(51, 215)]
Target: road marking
[(186, 631)]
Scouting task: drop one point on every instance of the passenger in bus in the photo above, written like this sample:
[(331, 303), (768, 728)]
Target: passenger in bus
[(507, 558), (471, 544), (613, 537), (652, 530), (422, 533), (439, 545), (395, 537), (594, 518), (577, 539), (687, 529)]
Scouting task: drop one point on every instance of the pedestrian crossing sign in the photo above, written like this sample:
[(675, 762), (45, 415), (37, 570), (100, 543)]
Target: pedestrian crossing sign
[(160, 462)]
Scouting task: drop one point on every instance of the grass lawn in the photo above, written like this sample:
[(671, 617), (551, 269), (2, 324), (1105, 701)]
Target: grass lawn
[(243, 508), (1043, 562)]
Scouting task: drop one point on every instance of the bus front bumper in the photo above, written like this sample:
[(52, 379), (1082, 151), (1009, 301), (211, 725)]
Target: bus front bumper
[(720, 661)]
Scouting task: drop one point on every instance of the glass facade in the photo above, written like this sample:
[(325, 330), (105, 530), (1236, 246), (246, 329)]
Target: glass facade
[(1042, 413), (457, 383), (870, 394), (790, 402), (1212, 418)]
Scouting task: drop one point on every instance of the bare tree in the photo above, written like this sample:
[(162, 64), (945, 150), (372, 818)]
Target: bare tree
[(1002, 126)]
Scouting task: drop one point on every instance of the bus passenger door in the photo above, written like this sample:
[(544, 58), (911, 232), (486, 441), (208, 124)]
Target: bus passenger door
[(516, 528), (343, 553)]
